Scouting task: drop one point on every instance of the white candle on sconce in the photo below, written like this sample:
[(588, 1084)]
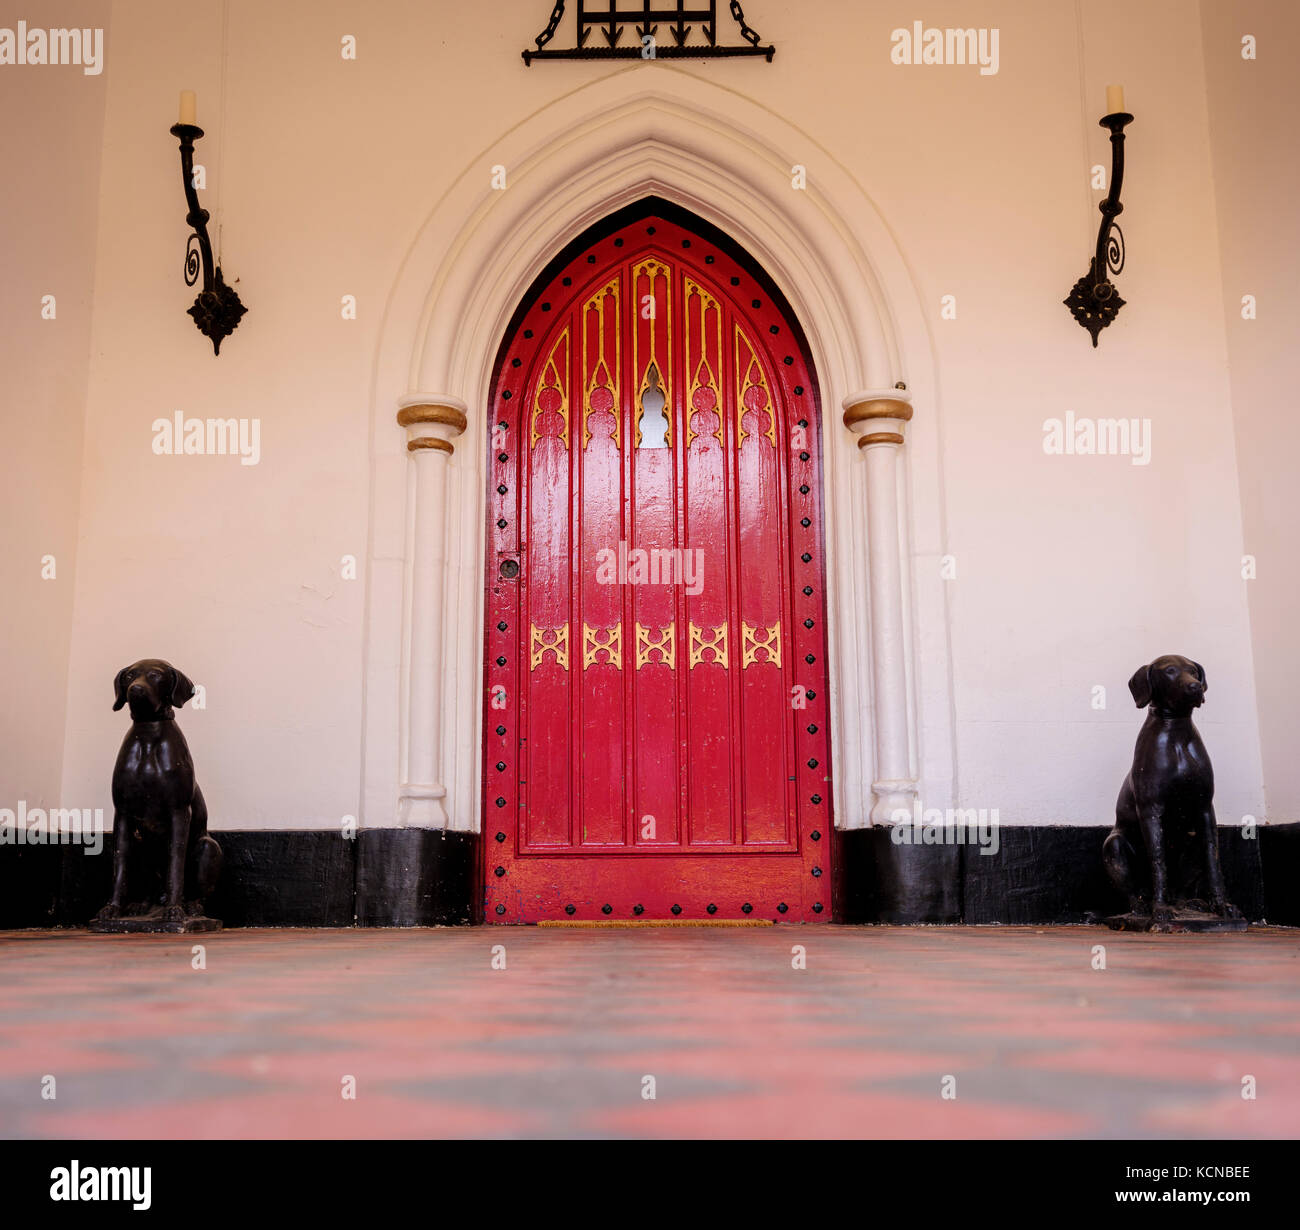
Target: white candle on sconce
[(189, 108), (1114, 99)]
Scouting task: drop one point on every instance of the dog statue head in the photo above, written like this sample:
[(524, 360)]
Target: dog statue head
[(1174, 685), (151, 687)]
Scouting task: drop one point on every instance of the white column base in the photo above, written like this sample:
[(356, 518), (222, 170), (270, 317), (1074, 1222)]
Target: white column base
[(422, 807), (894, 797)]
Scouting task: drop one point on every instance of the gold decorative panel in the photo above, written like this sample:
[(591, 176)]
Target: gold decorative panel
[(703, 358), (558, 645), (751, 643), (602, 362), (611, 646), (652, 338), (554, 388), (666, 646), (752, 392), (717, 643)]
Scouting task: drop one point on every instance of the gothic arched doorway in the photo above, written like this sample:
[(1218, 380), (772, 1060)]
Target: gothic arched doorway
[(656, 742)]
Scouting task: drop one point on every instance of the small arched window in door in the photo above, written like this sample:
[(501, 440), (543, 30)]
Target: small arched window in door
[(653, 422)]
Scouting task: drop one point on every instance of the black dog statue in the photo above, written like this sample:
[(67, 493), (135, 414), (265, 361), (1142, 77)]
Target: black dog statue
[(165, 863), (1163, 852)]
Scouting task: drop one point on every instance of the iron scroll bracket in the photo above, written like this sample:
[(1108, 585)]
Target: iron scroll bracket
[(680, 18)]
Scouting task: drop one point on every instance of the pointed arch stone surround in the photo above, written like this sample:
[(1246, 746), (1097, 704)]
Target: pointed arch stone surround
[(647, 131)]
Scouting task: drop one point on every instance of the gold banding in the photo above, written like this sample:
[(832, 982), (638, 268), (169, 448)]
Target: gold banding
[(443, 446), (878, 408), (432, 414), (880, 437)]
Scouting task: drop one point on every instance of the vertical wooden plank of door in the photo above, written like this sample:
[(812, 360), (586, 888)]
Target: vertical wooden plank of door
[(598, 605), (546, 633)]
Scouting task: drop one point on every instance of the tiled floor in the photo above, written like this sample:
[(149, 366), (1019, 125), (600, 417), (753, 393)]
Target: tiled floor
[(738, 1042)]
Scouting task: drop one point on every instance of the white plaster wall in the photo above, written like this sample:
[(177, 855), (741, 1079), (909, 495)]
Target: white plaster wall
[(51, 131), (1071, 571), (1254, 108)]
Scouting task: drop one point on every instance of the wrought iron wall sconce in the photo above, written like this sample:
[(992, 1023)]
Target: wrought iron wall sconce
[(1093, 301), (217, 308)]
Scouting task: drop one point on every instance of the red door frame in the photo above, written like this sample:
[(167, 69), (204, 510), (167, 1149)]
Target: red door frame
[(544, 395)]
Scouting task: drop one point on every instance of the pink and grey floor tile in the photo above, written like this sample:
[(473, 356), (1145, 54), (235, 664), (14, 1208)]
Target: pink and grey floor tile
[(863, 1042)]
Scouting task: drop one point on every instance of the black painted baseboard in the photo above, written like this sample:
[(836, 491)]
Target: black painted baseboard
[(1041, 874), (418, 878), (1279, 856), (271, 878)]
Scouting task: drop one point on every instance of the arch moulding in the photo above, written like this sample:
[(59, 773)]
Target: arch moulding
[(653, 130)]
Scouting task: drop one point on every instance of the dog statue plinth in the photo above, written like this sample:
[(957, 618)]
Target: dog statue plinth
[(152, 920), (165, 862), (1181, 920), (1163, 852)]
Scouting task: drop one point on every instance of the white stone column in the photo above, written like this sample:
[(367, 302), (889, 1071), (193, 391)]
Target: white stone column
[(431, 423), (878, 419)]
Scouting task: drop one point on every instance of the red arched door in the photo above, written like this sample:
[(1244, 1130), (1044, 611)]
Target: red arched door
[(655, 741)]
